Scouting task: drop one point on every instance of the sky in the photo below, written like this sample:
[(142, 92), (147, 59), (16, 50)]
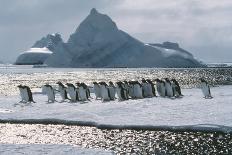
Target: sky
[(202, 27)]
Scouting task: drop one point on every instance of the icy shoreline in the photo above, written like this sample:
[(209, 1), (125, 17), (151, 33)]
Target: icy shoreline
[(190, 113)]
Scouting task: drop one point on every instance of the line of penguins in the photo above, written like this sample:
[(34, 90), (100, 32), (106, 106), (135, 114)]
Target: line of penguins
[(125, 90)]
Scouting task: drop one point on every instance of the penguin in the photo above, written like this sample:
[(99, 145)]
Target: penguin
[(73, 93), (22, 94), (205, 89), (63, 91), (126, 89), (131, 89), (28, 94), (50, 92), (176, 88), (82, 91), (97, 91), (160, 86), (120, 91), (151, 88), (138, 91), (111, 90), (144, 88), (104, 91), (168, 88)]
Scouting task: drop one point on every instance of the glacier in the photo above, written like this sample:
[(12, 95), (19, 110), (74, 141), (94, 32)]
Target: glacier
[(98, 42)]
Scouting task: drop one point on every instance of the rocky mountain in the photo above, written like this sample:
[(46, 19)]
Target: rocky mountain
[(98, 42)]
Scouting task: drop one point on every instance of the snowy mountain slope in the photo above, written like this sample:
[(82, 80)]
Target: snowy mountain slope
[(98, 42)]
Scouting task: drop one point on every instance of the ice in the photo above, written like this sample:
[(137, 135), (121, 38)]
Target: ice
[(37, 149), (192, 112), (97, 42)]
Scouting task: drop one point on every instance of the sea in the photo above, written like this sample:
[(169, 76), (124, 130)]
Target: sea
[(117, 141)]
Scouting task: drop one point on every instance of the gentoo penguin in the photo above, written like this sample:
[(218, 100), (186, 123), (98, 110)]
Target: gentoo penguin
[(160, 86), (120, 91), (168, 88), (73, 93), (104, 91), (82, 91), (151, 88), (50, 92), (176, 88), (97, 91), (62, 90), (138, 91), (205, 89), (26, 94), (112, 90)]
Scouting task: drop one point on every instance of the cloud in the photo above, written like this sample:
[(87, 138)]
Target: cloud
[(199, 26)]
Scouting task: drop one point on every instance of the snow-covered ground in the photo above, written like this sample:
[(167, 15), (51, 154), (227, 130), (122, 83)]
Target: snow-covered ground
[(190, 112), (52, 149)]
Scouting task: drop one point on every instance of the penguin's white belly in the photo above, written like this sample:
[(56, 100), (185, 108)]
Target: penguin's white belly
[(131, 91), (158, 88), (97, 91), (112, 93), (104, 94), (145, 89), (205, 89), (62, 92), (72, 93), (22, 94), (138, 91), (118, 90), (149, 90), (162, 90), (82, 94), (26, 95), (169, 90)]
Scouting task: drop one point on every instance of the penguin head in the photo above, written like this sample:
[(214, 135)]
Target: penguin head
[(111, 83), (143, 80), (20, 86), (95, 83), (202, 80)]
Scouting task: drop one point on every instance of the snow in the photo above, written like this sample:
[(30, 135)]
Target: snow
[(52, 149), (190, 112), (33, 56), (39, 50)]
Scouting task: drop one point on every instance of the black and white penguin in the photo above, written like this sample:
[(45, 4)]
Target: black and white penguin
[(120, 91), (176, 88), (72, 91), (112, 90), (62, 90), (205, 89), (151, 88), (131, 89), (82, 91), (138, 91), (145, 88), (126, 89), (29, 93), (49, 92), (160, 86), (104, 91), (97, 90), (168, 88), (23, 94), (26, 94)]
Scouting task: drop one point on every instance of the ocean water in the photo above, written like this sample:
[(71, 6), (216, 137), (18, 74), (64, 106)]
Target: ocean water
[(11, 76)]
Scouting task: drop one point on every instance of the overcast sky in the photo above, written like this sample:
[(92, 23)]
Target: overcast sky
[(203, 27)]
